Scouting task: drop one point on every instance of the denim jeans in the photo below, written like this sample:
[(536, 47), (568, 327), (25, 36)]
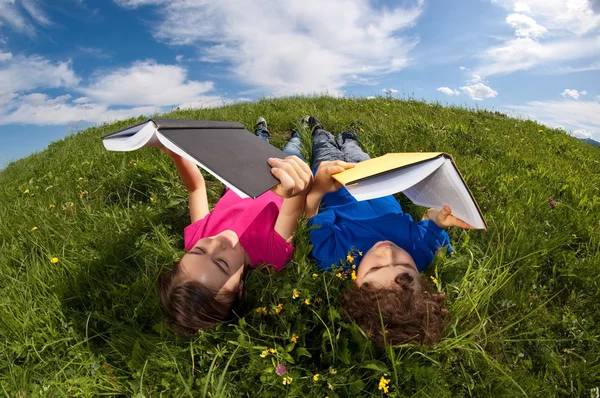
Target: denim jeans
[(291, 148), (345, 147)]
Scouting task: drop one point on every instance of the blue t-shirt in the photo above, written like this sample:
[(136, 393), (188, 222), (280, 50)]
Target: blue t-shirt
[(344, 224)]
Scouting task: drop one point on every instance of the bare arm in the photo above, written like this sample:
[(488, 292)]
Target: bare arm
[(324, 183), (295, 180), (194, 182)]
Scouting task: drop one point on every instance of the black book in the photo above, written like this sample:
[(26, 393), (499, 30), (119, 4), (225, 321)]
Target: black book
[(235, 156)]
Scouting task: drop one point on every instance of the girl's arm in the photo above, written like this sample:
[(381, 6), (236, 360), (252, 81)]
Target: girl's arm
[(194, 182), (295, 180)]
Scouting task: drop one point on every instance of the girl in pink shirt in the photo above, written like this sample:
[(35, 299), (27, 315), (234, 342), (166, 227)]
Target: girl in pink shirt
[(202, 290)]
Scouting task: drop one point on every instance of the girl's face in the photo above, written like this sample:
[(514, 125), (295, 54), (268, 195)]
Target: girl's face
[(217, 262), (383, 263)]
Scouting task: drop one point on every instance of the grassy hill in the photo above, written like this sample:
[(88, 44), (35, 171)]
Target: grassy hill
[(524, 296)]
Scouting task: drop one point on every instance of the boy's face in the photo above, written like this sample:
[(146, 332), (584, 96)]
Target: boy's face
[(217, 262), (383, 263)]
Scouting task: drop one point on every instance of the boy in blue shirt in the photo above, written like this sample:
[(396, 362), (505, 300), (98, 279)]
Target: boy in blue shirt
[(389, 247)]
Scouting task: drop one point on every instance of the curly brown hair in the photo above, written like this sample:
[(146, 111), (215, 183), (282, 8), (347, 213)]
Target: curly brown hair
[(189, 305), (397, 315)]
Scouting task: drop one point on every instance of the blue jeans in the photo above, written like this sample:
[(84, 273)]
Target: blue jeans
[(345, 147), (291, 148)]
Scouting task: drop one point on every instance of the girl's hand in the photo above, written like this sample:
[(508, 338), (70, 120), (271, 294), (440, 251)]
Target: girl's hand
[(324, 181), (444, 218), (294, 175)]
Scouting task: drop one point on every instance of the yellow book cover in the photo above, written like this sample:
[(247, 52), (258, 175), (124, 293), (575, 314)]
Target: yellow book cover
[(383, 164)]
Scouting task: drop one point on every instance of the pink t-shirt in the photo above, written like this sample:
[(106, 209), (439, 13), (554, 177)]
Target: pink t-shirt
[(253, 220)]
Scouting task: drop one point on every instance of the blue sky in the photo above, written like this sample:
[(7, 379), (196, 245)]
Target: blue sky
[(71, 64)]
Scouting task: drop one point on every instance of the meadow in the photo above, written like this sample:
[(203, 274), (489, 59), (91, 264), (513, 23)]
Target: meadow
[(84, 234)]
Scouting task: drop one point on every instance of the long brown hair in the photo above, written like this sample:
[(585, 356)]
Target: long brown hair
[(189, 306)]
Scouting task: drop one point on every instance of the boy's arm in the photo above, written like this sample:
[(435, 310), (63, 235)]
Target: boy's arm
[(324, 183), (194, 182), (295, 180), (444, 218)]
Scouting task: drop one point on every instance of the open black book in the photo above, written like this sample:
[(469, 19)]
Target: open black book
[(235, 156)]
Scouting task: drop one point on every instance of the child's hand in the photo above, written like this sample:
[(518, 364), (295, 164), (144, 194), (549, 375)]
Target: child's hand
[(444, 218), (295, 177), (324, 181)]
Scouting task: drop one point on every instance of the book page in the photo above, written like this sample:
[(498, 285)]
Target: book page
[(445, 187), (395, 181), (146, 136)]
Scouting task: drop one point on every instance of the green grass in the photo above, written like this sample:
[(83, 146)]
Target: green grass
[(524, 296)]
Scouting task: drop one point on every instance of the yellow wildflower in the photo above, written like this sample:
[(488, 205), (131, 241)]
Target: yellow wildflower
[(25, 192), (294, 338), (350, 258), (307, 301), (434, 280), (82, 194), (574, 236), (153, 199), (339, 275), (80, 179), (262, 310), (296, 294), (54, 260), (279, 308), (353, 275), (273, 351), (315, 276), (133, 163), (34, 228), (264, 353), (52, 206), (332, 371), (287, 381), (316, 377), (540, 131), (383, 384), (353, 266)]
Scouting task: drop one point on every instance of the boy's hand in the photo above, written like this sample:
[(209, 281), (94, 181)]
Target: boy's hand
[(295, 177), (324, 181), (444, 218)]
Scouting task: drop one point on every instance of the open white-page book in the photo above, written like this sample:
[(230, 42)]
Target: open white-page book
[(427, 179)]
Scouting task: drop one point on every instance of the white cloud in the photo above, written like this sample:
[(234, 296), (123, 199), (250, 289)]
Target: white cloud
[(18, 15), (27, 73), (179, 58), (448, 91), (479, 91), (463, 68), (525, 53), (5, 56), (328, 45), (54, 111), (573, 93), (145, 87), (525, 26), (581, 133), (389, 90), (548, 34), (574, 16), (574, 115), (147, 83)]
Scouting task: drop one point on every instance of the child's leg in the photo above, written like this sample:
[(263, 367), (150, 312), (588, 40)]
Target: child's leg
[(262, 132), (350, 147), (324, 148), (294, 146)]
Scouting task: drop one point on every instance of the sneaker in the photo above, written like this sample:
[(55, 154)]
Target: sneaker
[(260, 122), (314, 123), (304, 121)]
